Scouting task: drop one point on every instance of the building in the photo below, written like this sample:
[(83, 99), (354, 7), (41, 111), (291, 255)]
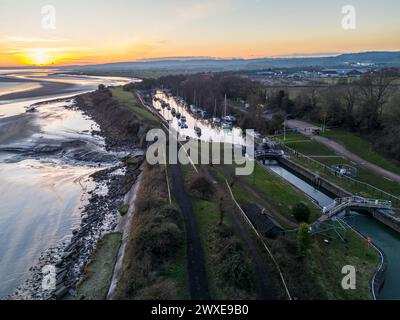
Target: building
[(263, 223)]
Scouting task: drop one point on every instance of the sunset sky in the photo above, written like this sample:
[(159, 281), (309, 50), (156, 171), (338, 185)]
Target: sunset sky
[(96, 31)]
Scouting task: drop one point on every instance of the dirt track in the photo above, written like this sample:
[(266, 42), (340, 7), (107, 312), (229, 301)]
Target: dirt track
[(196, 264), (341, 150)]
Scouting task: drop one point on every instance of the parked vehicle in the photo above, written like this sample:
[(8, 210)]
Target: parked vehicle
[(216, 121), (204, 114), (230, 119), (227, 126)]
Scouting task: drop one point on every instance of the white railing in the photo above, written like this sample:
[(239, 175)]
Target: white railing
[(333, 172), (342, 203)]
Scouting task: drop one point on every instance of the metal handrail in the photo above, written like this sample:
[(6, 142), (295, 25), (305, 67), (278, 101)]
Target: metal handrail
[(332, 171), (341, 203)]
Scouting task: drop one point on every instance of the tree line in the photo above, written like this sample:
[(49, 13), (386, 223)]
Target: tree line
[(368, 106)]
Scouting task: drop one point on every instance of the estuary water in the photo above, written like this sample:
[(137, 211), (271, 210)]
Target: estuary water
[(46, 158)]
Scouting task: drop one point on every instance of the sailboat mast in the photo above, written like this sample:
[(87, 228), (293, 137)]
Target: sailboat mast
[(225, 105)]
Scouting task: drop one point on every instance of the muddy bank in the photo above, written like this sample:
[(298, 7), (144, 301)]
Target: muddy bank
[(123, 133), (16, 128), (46, 89), (120, 126)]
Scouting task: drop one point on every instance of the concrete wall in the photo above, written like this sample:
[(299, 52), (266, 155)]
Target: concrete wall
[(387, 220), (335, 190), (311, 177)]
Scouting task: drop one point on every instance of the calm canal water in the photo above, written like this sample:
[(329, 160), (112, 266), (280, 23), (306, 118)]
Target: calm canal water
[(384, 237)]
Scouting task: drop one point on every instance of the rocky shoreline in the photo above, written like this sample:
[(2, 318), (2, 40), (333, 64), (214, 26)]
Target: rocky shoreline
[(99, 216)]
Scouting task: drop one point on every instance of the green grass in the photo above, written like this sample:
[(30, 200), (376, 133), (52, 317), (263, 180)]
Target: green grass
[(129, 99), (363, 174), (206, 214), (208, 217), (319, 274), (323, 267), (177, 271), (280, 193), (327, 263), (311, 148), (293, 137), (362, 148), (98, 273)]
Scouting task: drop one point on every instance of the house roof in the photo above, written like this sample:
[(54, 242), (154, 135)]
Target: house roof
[(262, 222)]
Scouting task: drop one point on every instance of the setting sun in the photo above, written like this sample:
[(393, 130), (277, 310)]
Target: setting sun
[(39, 57)]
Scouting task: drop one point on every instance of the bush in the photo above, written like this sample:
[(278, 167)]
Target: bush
[(160, 239), (233, 266), (301, 212), (124, 209), (201, 185), (165, 290), (304, 239)]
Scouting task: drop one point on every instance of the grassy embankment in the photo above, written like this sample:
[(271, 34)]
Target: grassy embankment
[(326, 156), (318, 275), (155, 258), (129, 99), (362, 148), (230, 270), (155, 265), (99, 271)]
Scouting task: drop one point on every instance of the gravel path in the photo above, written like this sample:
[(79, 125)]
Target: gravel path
[(302, 126), (196, 263)]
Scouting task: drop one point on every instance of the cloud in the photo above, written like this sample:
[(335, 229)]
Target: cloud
[(18, 39)]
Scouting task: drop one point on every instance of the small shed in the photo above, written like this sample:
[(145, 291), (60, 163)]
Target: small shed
[(263, 223)]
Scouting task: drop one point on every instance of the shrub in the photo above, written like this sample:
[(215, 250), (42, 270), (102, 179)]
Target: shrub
[(304, 239), (165, 290), (233, 266), (301, 212), (201, 185), (124, 209)]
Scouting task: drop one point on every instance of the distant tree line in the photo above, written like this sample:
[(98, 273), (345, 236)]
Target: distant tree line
[(208, 91), (369, 106)]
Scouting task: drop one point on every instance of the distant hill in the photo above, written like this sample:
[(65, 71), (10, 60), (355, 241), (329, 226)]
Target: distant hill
[(363, 59)]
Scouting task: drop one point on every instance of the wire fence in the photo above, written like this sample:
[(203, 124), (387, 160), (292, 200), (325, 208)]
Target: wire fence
[(331, 171)]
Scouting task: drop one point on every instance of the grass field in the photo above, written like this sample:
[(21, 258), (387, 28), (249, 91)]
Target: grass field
[(318, 276), (280, 193), (323, 268), (98, 273), (362, 148), (325, 156), (207, 215), (129, 99)]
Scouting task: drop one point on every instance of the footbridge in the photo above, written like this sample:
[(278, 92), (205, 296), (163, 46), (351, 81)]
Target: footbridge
[(268, 150), (343, 204), (330, 221)]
